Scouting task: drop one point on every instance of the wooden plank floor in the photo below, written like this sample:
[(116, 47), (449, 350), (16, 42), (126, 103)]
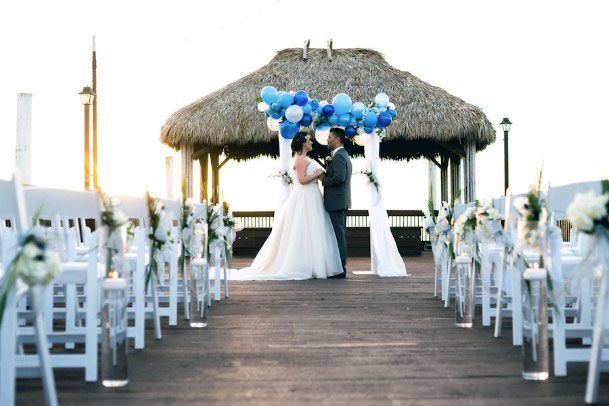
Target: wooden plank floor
[(363, 340)]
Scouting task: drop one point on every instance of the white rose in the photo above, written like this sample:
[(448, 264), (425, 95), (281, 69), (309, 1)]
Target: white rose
[(31, 251)]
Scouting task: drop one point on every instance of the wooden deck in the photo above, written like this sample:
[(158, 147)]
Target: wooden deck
[(363, 340)]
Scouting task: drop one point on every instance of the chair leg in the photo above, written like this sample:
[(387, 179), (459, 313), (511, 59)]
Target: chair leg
[(8, 342), (173, 291), (499, 300), (594, 368), (218, 277), (207, 285), (226, 280), (155, 305), (486, 293), (42, 347), (516, 306)]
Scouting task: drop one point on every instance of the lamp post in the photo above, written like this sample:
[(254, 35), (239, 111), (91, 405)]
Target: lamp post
[(87, 96), (506, 124)]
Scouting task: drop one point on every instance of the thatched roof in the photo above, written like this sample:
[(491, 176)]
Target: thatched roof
[(427, 114)]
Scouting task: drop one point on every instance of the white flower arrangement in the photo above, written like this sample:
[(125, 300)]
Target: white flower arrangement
[(429, 223), (487, 219), (588, 211), (466, 222), (159, 236), (285, 177), (112, 222), (35, 264)]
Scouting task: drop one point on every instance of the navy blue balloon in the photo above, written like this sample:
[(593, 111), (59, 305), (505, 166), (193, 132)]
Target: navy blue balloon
[(350, 131), (368, 130), (384, 119), (301, 98), (288, 130), (306, 120), (328, 110)]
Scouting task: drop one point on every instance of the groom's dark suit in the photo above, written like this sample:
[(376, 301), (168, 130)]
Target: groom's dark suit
[(337, 197)]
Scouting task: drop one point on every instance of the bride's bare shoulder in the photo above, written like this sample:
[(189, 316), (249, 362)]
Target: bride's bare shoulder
[(300, 162)]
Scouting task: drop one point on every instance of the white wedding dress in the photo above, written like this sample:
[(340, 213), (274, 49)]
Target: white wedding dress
[(302, 244)]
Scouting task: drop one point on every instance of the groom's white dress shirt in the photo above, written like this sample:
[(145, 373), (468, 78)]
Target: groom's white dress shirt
[(333, 152)]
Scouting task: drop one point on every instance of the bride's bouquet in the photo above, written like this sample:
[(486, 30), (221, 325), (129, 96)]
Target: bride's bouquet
[(285, 177)]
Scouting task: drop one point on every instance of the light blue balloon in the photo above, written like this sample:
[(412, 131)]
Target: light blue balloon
[(358, 110), (341, 103), (344, 120), (382, 109), (307, 109), (269, 94), (286, 99), (370, 119), (381, 100), (392, 112), (333, 119)]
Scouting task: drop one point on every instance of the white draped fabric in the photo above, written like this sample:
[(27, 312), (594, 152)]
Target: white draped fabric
[(385, 257), (285, 158)]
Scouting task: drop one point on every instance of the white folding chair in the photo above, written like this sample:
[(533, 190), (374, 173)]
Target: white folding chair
[(12, 207)]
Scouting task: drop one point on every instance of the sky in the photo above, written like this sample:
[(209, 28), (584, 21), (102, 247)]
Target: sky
[(543, 64)]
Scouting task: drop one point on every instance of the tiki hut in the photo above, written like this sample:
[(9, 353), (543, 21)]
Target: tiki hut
[(431, 123)]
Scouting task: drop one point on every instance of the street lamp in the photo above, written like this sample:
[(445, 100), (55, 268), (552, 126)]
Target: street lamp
[(87, 96), (506, 124)]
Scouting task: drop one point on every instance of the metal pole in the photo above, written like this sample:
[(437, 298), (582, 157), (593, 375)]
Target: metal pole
[(506, 161), (94, 74), (87, 149)]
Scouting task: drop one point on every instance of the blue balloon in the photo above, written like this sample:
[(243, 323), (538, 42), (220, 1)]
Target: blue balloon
[(350, 131), (341, 103), (314, 104), (384, 119), (333, 119), (275, 107), (288, 130), (286, 100), (392, 112), (269, 94), (307, 109), (328, 110), (276, 115), (344, 120), (370, 119), (306, 120), (368, 130), (358, 110), (301, 98)]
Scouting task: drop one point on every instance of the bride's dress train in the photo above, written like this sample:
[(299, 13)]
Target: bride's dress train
[(302, 244)]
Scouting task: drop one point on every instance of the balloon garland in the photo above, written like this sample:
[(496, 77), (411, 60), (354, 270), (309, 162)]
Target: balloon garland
[(288, 112)]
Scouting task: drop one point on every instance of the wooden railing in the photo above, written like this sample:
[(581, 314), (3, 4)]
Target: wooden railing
[(355, 218)]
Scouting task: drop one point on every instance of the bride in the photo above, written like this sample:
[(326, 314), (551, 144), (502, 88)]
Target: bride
[(302, 244)]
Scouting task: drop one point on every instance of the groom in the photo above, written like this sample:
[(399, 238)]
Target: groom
[(337, 190)]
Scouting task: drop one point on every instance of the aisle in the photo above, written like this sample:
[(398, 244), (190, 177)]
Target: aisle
[(363, 340)]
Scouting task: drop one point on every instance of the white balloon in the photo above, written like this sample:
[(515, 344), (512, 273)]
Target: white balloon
[(294, 113), (381, 100), (323, 103), (362, 140), (322, 136), (263, 107), (272, 124), (391, 106)]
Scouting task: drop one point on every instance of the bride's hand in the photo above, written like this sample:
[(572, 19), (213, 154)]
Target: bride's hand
[(319, 173)]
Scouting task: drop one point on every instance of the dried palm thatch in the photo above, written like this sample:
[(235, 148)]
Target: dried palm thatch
[(228, 118)]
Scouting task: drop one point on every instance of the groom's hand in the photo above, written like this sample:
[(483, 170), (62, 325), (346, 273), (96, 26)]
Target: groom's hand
[(329, 159)]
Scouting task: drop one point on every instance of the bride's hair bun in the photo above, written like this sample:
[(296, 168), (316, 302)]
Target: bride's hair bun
[(298, 141)]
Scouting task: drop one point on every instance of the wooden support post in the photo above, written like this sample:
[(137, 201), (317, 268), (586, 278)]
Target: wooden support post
[(214, 158), (431, 174), (444, 179), (87, 150), (204, 183), (186, 166), (469, 172), (23, 146), (455, 178), (169, 177)]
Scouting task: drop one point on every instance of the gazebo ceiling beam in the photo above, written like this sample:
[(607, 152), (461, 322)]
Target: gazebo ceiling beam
[(224, 162), (452, 149), (201, 151), (434, 160)]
